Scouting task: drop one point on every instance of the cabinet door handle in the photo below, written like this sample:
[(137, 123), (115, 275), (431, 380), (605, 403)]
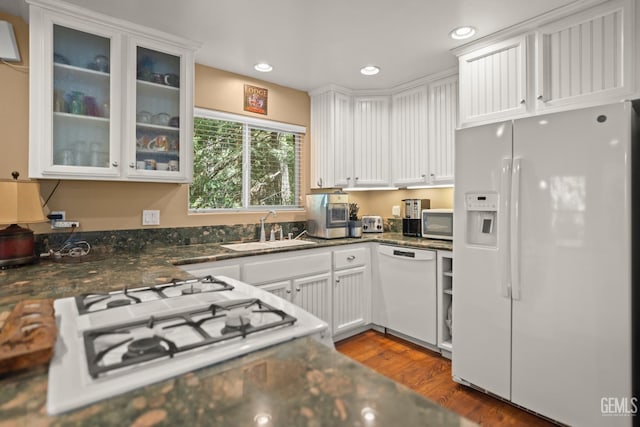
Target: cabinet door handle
[(320, 182), (115, 164), (351, 257)]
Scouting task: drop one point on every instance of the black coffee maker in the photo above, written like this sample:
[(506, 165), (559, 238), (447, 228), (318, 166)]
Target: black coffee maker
[(411, 222)]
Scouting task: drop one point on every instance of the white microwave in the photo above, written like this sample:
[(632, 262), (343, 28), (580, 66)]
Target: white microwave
[(437, 224)]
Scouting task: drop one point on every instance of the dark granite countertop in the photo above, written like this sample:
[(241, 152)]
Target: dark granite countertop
[(300, 383)]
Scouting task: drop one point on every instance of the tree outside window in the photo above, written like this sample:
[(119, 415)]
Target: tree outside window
[(239, 165)]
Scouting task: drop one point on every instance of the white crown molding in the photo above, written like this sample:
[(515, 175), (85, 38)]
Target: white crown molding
[(528, 25), (58, 6), (450, 72)]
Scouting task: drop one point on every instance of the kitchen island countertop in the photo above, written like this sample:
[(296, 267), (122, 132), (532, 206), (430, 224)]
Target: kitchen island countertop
[(298, 383)]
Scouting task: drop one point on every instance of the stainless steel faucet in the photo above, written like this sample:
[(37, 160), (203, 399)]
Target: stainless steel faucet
[(263, 237)]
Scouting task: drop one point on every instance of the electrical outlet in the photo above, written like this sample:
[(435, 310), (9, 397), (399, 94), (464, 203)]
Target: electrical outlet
[(65, 224), (395, 210), (150, 217)]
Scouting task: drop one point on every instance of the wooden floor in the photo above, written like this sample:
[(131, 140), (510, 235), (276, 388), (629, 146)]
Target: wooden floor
[(429, 374)]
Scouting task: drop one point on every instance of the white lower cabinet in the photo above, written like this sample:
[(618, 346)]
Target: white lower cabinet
[(445, 301), (229, 268), (303, 278), (351, 291)]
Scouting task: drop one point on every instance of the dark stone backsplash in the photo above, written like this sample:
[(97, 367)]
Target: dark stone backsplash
[(132, 241)]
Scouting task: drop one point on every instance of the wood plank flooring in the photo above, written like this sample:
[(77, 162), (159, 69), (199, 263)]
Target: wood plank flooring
[(429, 374)]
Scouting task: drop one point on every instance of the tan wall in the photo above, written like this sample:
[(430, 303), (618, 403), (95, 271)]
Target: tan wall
[(381, 202), (118, 205)]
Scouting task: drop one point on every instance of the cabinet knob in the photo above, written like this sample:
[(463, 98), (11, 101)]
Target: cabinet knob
[(357, 178), (522, 101), (288, 291), (337, 281), (297, 289), (132, 165), (114, 164), (351, 257), (540, 97)]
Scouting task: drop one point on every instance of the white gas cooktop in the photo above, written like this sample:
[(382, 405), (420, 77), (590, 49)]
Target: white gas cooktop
[(109, 344)]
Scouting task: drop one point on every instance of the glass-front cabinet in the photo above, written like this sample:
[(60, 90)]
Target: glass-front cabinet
[(158, 129), (107, 101)]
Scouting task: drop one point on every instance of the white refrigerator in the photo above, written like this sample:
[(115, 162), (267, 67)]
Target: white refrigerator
[(542, 278)]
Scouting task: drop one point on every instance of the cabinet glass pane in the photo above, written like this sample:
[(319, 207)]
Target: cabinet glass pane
[(81, 88), (157, 111)]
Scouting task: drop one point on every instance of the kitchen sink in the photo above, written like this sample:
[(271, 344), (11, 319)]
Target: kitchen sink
[(253, 246)]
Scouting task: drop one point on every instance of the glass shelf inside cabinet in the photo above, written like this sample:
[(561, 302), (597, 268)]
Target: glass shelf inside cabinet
[(81, 90), (157, 110)]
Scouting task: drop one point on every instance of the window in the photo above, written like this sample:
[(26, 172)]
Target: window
[(241, 163)]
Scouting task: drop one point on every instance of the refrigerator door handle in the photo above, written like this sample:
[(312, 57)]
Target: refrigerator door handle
[(514, 247), (505, 190)]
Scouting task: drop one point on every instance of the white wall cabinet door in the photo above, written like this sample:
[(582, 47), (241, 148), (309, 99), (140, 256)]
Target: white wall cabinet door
[(493, 81), (409, 130), (332, 139), (443, 121), (313, 293), (343, 140), (372, 160), (586, 57)]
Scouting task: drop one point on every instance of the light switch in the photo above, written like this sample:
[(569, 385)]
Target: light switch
[(150, 217), (395, 210)]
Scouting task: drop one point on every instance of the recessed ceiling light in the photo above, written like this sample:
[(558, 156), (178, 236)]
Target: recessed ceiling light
[(462, 33), (370, 70), (263, 67)]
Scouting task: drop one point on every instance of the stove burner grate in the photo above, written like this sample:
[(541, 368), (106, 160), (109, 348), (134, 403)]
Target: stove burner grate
[(154, 346), (87, 302)]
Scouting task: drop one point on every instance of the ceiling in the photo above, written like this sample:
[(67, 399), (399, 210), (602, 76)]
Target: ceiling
[(314, 43)]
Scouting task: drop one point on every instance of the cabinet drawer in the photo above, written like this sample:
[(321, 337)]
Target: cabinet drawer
[(348, 258), (273, 270)]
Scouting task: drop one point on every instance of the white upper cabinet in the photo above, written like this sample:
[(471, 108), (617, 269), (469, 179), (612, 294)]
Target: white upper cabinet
[(409, 135), (493, 81), (443, 121), (371, 142), (558, 63), (343, 139), (586, 57), (332, 139), (93, 114)]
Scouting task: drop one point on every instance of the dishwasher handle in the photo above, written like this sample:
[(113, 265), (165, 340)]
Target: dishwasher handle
[(407, 254)]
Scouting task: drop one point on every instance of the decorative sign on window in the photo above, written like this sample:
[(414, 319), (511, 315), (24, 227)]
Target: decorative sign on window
[(255, 99)]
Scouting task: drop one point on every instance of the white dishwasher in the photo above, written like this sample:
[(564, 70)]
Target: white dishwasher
[(406, 300)]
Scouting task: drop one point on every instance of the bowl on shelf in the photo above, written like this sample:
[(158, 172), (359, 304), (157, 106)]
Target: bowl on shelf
[(174, 122), (161, 119), (143, 117), (60, 59)]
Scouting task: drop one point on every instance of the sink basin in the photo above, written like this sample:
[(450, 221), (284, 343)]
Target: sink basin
[(253, 246)]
